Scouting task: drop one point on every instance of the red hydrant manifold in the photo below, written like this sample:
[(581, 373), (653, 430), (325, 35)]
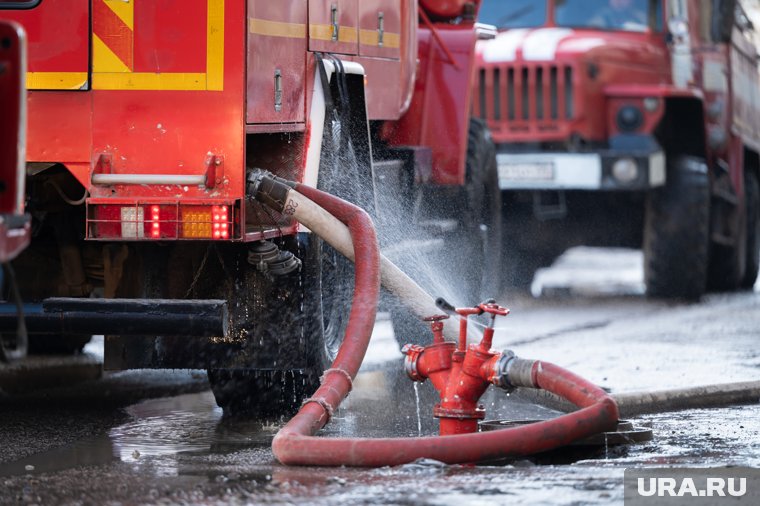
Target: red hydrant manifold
[(461, 374)]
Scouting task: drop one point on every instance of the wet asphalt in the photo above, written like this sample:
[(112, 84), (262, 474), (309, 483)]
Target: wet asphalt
[(158, 438)]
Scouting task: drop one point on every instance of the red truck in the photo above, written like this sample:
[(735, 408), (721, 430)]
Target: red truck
[(146, 120), (627, 123)]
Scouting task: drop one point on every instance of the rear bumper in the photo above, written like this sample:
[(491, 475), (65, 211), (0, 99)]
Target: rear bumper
[(579, 171), (187, 318)]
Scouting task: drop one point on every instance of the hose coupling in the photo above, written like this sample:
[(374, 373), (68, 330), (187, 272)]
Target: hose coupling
[(412, 352), (268, 258), (268, 189), (511, 372)]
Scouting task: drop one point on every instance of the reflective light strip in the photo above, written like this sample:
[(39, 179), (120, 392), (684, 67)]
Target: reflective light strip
[(148, 81), (346, 34), (215, 45), (370, 38), (276, 28), (56, 80), (171, 179)]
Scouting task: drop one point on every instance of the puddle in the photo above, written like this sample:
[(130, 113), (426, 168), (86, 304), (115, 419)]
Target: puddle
[(183, 444), (158, 432)]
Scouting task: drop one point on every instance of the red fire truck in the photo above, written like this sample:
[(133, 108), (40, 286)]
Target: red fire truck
[(627, 122), (145, 121)]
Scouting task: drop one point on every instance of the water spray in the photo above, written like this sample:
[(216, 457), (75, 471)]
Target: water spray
[(461, 372)]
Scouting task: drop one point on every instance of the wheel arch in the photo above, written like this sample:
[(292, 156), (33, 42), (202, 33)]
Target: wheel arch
[(681, 130)]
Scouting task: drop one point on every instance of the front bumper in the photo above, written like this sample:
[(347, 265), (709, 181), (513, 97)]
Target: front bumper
[(578, 171)]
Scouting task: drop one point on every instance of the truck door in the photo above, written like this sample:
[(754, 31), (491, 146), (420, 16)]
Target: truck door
[(58, 34)]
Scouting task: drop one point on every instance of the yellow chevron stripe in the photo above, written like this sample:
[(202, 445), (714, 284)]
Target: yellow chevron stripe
[(103, 59), (109, 73), (124, 9), (277, 28)]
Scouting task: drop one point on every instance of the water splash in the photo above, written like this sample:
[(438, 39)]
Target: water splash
[(417, 402)]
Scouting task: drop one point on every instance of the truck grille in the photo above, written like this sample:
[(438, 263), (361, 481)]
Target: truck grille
[(526, 97)]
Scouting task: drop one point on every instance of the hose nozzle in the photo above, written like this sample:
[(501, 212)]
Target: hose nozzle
[(445, 306)]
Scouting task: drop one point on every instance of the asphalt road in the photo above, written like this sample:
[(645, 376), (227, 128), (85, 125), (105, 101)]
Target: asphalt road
[(137, 438)]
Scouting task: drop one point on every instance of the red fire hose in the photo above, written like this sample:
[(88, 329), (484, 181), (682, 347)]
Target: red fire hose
[(296, 443)]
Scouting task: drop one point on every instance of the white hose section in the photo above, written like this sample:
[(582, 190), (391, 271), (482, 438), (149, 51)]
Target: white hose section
[(336, 234)]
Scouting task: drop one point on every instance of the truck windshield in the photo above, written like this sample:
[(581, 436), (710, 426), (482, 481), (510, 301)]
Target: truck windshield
[(623, 15), (513, 14)]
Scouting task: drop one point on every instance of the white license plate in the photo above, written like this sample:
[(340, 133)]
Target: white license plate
[(534, 171)]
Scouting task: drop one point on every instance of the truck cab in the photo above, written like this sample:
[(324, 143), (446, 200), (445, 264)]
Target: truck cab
[(626, 123)]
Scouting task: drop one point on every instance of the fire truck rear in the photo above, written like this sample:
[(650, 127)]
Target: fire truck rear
[(14, 224), (622, 123), (147, 120)]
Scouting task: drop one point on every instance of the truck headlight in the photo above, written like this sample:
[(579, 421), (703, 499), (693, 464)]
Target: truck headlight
[(629, 118), (625, 170)]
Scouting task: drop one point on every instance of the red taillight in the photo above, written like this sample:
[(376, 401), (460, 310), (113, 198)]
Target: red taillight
[(161, 221), (221, 222), (107, 222), (155, 226)]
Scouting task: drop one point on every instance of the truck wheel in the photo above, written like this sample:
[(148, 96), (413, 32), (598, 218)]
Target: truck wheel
[(676, 233), (724, 271), (312, 318), (471, 254), (481, 236), (325, 287), (753, 229)]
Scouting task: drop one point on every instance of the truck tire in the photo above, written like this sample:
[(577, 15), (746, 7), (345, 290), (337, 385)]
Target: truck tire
[(325, 286), (315, 312), (676, 232), (727, 261), (481, 237), (471, 254), (752, 195)]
